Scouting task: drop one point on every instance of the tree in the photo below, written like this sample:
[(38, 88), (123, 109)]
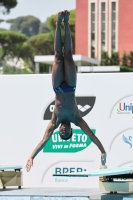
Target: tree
[(7, 5), (22, 50), (14, 46), (44, 28), (114, 60), (125, 59), (130, 57), (28, 25), (43, 43), (105, 61), (8, 40), (2, 20), (3, 29), (108, 61)]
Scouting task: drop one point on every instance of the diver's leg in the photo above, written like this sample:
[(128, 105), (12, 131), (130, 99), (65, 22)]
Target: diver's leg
[(57, 68), (69, 66)]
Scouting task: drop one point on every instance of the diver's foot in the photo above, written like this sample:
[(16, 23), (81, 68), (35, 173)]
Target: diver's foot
[(60, 17), (66, 16)]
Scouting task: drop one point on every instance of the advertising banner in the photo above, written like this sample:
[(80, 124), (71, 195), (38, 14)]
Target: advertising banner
[(105, 101)]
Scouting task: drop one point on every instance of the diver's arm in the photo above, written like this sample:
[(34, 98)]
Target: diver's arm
[(84, 126), (49, 131)]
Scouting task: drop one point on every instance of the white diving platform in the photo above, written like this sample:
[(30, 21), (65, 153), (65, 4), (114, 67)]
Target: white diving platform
[(110, 180), (109, 189), (100, 172)]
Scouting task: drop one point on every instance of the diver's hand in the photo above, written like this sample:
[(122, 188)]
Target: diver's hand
[(103, 158), (29, 164)]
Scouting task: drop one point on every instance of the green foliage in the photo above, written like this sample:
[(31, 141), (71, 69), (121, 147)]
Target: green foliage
[(105, 61), (43, 44), (125, 59), (130, 58), (15, 23), (14, 44), (10, 37), (3, 29), (9, 20), (2, 20), (72, 17), (114, 60), (8, 40), (44, 28), (108, 61), (13, 70), (28, 25), (22, 50), (44, 68), (51, 22), (7, 5), (125, 69)]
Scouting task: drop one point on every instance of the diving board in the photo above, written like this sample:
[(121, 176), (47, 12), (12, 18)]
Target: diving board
[(100, 172), (9, 167), (11, 176), (112, 180)]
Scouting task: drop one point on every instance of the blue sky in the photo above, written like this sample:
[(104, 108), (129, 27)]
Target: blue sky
[(38, 8)]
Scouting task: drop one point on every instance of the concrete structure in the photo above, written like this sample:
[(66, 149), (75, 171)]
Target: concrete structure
[(98, 69), (78, 59), (83, 63), (103, 25)]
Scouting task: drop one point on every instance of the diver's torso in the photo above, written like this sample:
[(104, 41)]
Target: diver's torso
[(66, 108)]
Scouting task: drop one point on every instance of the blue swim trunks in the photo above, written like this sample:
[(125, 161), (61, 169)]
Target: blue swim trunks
[(64, 88)]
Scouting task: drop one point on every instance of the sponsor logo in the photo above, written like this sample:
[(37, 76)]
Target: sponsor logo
[(78, 142), (53, 174), (124, 108), (61, 180), (68, 170), (127, 140), (125, 143), (85, 105)]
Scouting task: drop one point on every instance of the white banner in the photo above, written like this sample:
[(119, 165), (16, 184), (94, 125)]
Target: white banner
[(105, 101)]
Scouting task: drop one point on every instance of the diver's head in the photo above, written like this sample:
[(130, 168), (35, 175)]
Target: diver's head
[(65, 131)]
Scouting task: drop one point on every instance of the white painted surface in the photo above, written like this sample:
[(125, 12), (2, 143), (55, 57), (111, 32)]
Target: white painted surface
[(23, 101)]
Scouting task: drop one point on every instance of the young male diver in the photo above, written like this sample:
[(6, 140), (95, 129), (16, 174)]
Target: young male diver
[(64, 84)]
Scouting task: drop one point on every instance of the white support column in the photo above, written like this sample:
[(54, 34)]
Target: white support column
[(37, 70)]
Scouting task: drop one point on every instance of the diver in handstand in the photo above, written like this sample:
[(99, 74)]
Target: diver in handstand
[(64, 84)]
